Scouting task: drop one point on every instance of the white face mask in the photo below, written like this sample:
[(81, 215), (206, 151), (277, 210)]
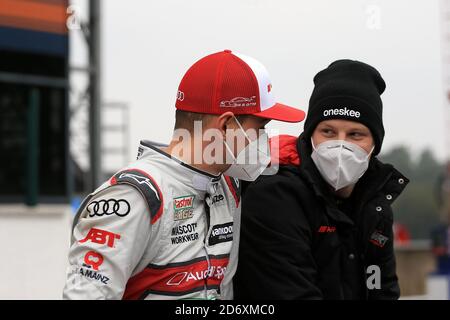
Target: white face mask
[(340, 163), (250, 161)]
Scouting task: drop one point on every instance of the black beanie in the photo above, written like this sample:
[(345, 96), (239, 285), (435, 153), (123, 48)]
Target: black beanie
[(348, 90)]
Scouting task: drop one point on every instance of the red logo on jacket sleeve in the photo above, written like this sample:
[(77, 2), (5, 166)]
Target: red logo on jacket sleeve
[(101, 237), (93, 259), (326, 229)]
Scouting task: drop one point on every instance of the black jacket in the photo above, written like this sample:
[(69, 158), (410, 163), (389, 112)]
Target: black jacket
[(298, 242)]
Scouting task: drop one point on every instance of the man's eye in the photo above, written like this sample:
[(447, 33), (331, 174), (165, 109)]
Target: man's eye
[(327, 131), (357, 134)]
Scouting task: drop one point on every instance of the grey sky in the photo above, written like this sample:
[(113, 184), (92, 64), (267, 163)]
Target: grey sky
[(148, 45)]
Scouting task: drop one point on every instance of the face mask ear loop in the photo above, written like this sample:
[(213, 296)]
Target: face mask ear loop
[(229, 149), (370, 153), (312, 144), (339, 165), (259, 144), (240, 127)]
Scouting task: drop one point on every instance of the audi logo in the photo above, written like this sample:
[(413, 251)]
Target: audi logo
[(108, 207), (180, 95)]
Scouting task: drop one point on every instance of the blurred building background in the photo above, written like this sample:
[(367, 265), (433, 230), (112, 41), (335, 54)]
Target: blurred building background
[(35, 184), (80, 83), (51, 132)]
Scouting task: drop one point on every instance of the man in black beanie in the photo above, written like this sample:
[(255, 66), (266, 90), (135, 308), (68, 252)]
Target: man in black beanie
[(348, 90), (321, 228)]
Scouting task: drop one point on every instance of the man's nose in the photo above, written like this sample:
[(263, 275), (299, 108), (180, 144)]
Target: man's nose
[(342, 135)]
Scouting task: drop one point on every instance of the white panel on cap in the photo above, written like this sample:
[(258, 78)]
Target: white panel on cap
[(267, 98)]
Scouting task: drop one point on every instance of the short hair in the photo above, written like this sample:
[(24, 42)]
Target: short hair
[(186, 119)]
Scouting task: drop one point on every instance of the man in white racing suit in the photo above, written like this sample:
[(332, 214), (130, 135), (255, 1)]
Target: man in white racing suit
[(163, 227)]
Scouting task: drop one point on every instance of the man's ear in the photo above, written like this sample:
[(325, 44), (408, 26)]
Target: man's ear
[(225, 121)]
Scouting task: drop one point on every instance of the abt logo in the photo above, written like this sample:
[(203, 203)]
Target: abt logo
[(101, 237), (326, 229)]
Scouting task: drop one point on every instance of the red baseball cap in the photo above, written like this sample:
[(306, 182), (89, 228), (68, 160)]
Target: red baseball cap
[(226, 81)]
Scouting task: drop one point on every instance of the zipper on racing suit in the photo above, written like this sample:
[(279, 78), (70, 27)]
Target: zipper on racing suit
[(205, 240)]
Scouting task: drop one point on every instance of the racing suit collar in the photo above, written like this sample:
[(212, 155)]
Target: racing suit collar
[(200, 180)]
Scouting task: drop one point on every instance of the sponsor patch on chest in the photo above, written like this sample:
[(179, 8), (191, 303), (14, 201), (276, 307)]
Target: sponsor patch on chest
[(221, 233), (378, 239), (183, 207), (184, 233)]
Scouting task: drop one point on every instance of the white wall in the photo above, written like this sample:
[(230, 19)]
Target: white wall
[(33, 251)]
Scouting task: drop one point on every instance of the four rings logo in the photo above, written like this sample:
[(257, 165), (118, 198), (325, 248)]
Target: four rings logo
[(108, 207), (180, 95)]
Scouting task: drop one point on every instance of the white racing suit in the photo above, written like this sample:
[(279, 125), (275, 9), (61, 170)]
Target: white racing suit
[(158, 229)]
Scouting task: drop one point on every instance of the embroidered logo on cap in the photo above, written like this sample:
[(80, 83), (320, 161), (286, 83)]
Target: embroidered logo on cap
[(239, 102)]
